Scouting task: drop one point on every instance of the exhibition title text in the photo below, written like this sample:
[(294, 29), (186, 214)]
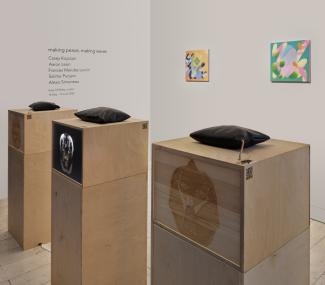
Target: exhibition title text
[(67, 68)]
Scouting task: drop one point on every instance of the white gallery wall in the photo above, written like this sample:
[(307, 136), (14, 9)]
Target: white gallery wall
[(120, 79), (238, 35)]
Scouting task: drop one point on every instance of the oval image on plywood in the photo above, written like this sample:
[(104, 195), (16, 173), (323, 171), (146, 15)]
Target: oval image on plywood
[(193, 202)]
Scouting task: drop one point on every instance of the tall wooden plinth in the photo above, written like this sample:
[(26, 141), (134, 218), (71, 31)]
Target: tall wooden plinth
[(99, 203), (29, 174)]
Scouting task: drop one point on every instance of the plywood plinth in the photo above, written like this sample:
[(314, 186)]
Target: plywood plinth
[(99, 203), (29, 174), (239, 212)]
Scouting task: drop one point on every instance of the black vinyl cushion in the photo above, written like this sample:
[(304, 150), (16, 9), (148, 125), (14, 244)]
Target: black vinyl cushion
[(43, 106), (229, 137), (102, 115)]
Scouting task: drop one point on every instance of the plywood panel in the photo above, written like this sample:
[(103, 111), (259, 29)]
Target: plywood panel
[(114, 244), (16, 130), (220, 173), (198, 200), (66, 231), (29, 196), (228, 157), (31, 132), (16, 194), (37, 199), (177, 262), (38, 129), (80, 124), (287, 266), (276, 204), (114, 151)]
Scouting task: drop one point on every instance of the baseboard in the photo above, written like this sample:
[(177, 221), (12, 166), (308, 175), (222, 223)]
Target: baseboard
[(317, 213)]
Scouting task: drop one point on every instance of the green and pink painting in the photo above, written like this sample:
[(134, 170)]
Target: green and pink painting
[(290, 61)]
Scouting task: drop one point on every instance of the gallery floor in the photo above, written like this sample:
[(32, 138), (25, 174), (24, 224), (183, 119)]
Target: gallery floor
[(32, 267)]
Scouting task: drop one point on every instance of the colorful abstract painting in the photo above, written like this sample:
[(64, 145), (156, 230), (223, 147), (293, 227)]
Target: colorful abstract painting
[(290, 61), (197, 65)]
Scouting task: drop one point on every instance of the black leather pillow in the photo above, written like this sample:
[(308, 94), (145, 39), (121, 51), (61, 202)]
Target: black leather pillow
[(229, 137), (43, 106), (102, 115)]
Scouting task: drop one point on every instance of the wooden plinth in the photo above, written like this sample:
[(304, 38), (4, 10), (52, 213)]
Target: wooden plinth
[(175, 261), (29, 174), (240, 212), (99, 210)]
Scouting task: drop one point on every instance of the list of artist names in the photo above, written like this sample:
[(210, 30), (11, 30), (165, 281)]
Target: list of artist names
[(67, 67)]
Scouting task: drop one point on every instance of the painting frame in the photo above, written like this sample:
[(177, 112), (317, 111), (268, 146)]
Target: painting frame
[(197, 65), (290, 61)]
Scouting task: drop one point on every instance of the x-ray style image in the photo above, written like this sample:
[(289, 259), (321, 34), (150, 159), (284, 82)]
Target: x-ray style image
[(67, 151)]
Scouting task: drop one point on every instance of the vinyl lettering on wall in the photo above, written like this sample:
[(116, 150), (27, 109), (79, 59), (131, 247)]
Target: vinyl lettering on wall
[(68, 68)]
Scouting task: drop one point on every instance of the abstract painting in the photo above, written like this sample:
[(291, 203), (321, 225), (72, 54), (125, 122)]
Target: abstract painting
[(197, 66), (290, 61)]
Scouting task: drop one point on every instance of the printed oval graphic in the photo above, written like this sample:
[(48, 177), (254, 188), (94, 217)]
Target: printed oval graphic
[(193, 202)]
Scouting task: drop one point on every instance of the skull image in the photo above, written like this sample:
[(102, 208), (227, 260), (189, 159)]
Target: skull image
[(193, 202), (66, 153)]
